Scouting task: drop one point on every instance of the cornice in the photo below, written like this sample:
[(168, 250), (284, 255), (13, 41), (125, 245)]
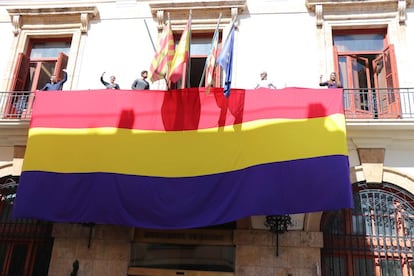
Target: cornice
[(75, 15), (204, 13), (362, 9)]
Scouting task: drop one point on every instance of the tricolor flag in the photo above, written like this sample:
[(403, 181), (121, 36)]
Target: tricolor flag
[(225, 60), (211, 59), (183, 159), (181, 54), (164, 55)]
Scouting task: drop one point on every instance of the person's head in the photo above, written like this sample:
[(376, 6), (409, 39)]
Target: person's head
[(112, 79), (144, 74), (332, 76), (263, 75), (53, 79)]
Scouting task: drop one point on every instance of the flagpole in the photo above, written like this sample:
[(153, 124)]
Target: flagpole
[(225, 58), (167, 83), (211, 48), (150, 36), (189, 54)]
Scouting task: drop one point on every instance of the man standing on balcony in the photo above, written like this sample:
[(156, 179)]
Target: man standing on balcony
[(141, 83), (110, 85), (264, 82), (55, 85)]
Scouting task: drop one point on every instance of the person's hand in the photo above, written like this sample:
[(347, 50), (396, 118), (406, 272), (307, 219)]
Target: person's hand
[(320, 78), (64, 70), (103, 74)]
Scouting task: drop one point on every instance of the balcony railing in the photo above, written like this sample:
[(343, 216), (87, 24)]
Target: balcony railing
[(363, 103)]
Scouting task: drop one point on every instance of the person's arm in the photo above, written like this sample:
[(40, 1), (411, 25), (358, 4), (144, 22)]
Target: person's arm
[(102, 80), (65, 78), (44, 88), (134, 84), (117, 86), (322, 83)]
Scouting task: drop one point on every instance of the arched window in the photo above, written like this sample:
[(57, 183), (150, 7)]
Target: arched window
[(25, 244), (374, 238)]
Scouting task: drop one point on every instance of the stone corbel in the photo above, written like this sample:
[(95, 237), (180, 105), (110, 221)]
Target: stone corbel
[(16, 22), (234, 18), (402, 11), (84, 18), (319, 15), (160, 20)]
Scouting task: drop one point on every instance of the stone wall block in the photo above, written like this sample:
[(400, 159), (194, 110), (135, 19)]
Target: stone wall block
[(72, 230), (268, 257), (247, 255), (256, 271), (254, 237), (311, 239), (303, 257)]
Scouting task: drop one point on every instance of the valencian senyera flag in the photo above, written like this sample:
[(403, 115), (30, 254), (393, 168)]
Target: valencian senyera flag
[(161, 62), (211, 58), (183, 159)]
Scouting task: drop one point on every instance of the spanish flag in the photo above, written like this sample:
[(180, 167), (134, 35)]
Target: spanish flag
[(183, 159)]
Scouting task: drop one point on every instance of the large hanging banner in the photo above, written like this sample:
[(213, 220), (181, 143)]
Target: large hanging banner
[(183, 158)]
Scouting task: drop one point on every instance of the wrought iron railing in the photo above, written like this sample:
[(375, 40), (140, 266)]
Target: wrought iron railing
[(362, 103), (379, 103)]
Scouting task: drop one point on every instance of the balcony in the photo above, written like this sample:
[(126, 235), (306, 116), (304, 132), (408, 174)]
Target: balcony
[(363, 103)]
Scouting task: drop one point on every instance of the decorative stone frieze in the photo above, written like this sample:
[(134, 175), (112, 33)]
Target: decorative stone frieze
[(55, 18), (204, 13), (348, 9)]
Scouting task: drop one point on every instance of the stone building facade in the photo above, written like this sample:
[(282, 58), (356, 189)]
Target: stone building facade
[(295, 42)]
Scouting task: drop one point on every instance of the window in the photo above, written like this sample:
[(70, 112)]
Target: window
[(25, 245), (199, 51), (374, 238), (199, 251), (42, 49), (34, 68), (368, 73)]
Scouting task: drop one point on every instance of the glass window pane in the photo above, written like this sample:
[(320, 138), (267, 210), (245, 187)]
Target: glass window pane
[(200, 46), (49, 49), (46, 71), (391, 267), (334, 266), (363, 266), (359, 42), (18, 260)]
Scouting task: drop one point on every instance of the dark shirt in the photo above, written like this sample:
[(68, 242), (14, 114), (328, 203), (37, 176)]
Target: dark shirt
[(57, 85), (109, 85), (330, 84)]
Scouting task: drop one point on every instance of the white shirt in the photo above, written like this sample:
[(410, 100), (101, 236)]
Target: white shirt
[(266, 84)]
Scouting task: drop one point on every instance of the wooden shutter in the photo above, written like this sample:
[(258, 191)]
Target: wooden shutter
[(20, 73), (61, 63)]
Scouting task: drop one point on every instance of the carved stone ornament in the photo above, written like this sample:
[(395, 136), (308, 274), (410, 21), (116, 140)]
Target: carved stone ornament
[(319, 15), (16, 22), (204, 14), (41, 18), (402, 11), (358, 9)]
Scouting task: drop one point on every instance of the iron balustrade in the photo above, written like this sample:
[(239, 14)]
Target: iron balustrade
[(362, 103)]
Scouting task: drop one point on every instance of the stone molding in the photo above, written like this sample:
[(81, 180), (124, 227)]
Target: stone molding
[(39, 18), (204, 13), (348, 9)]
